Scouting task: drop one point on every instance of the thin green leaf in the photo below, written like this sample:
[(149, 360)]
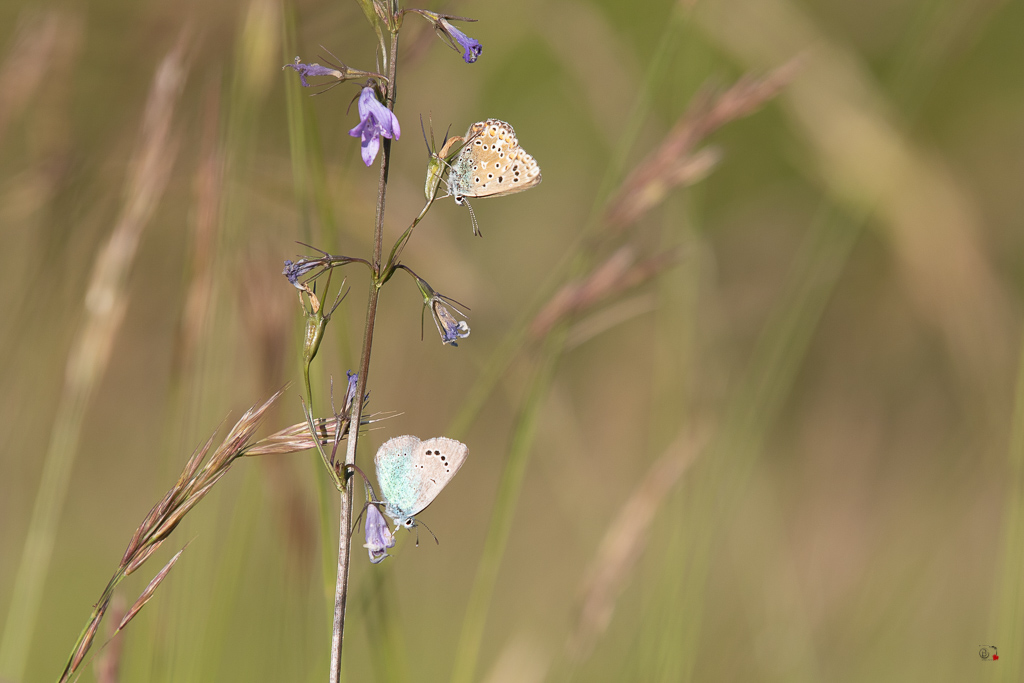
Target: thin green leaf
[(371, 16)]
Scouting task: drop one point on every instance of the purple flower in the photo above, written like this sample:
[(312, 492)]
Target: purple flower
[(378, 537), (293, 271), (350, 391), (471, 46), (374, 120), (450, 329), (311, 70)]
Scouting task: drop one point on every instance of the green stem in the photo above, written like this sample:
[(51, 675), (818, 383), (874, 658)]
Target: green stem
[(344, 531), (396, 251), (316, 325)]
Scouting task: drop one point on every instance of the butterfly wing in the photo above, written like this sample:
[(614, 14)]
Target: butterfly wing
[(492, 163), (399, 480), (435, 461)]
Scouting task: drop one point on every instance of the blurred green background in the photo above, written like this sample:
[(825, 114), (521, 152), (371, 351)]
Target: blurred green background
[(834, 355)]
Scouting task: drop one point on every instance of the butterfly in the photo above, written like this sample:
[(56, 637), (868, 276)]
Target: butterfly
[(412, 472), (490, 163)]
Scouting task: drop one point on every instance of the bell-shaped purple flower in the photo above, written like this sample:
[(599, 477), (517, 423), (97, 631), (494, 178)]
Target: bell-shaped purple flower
[(375, 120), (471, 46), (378, 536)]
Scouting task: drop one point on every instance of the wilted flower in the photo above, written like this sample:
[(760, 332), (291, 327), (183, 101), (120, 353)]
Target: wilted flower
[(374, 120), (353, 378), (471, 46), (312, 70), (294, 270), (450, 328), (378, 536)]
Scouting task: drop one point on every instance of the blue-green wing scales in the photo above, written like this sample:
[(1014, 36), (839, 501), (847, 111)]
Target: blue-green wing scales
[(398, 479)]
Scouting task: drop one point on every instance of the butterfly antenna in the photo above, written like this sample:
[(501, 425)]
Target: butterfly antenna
[(472, 215), (428, 529)]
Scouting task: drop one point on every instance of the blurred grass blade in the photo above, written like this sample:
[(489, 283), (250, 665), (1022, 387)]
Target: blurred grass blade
[(505, 500), (752, 410), (616, 275), (676, 162), (383, 626), (297, 145), (371, 16), (574, 264), (522, 660), (1008, 602), (512, 344), (105, 303), (107, 665), (624, 542), (27, 62), (869, 163)]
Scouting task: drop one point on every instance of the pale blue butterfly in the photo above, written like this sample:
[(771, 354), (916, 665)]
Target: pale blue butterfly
[(412, 472)]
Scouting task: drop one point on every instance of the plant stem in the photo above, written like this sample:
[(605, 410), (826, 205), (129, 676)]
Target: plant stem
[(344, 531)]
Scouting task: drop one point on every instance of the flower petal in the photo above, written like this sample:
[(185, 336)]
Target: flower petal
[(378, 536), (370, 147)]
